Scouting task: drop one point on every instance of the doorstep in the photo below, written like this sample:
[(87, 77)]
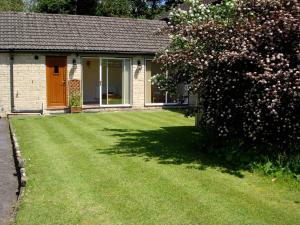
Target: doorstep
[(56, 110)]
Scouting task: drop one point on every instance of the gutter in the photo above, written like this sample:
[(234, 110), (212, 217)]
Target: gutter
[(79, 51)]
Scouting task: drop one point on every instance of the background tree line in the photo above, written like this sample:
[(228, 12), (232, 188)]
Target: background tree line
[(118, 8)]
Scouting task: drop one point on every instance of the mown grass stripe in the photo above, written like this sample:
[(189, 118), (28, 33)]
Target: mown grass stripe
[(123, 168)]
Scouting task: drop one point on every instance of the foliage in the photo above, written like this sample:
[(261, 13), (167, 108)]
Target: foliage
[(173, 3), (242, 59), (56, 6), (116, 8), (80, 7), (29, 5), (86, 7), (259, 159), (139, 9), (129, 8), (11, 5), (281, 168), (119, 8), (75, 99)]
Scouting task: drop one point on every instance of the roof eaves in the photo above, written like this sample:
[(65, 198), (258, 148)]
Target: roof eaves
[(78, 51)]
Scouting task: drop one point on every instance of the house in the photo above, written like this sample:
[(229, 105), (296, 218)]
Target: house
[(108, 60)]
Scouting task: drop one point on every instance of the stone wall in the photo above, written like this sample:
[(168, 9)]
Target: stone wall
[(30, 80), (4, 84), (74, 72), (138, 89), (29, 72)]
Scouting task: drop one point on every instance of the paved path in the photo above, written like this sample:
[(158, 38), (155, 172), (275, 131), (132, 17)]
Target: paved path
[(8, 178)]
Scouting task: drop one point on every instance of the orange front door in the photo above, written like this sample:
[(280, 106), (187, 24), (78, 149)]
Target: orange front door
[(56, 81)]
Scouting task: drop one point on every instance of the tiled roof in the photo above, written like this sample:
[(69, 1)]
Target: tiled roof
[(55, 32)]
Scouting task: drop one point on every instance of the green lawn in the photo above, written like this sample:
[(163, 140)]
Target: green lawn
[(138, 168)]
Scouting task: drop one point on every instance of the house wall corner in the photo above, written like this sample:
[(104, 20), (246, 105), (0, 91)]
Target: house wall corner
[(4, 84)]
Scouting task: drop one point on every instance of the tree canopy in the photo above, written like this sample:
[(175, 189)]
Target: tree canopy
[(119, 8), (11, 5), (86, 7), (56, 6), (173, 3)]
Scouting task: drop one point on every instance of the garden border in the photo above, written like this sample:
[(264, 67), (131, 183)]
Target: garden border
[(20, 168)]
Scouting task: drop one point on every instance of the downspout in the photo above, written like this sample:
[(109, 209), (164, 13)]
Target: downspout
[(12, 97)]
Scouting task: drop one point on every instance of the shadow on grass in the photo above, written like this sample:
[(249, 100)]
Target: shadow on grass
[(168, 145)]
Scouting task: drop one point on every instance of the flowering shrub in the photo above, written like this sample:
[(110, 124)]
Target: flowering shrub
[(242, 58)]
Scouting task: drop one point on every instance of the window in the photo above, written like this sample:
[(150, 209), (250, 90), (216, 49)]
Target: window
[(56, 69), (116, 77), (153, 94)]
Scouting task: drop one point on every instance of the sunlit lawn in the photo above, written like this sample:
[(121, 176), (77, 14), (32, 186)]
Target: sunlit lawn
[(138, 168)]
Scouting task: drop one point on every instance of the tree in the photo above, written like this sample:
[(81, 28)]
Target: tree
[(29, 5), (156, 8), (56, 6), (129, 8), (173, 3), (242, 58), (140, 9), (11, 5), (86, 7), (118, 8)]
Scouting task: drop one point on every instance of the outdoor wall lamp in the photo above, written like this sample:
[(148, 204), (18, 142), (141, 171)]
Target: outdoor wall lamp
[(138, 68), (74, 63), (139, 63)]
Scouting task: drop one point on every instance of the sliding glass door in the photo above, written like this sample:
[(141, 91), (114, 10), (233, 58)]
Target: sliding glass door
[(116, 82)]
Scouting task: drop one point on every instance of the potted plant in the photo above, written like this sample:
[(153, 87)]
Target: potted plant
[(75, 102)]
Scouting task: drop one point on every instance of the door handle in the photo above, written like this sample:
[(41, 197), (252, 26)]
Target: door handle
[(100, 83)]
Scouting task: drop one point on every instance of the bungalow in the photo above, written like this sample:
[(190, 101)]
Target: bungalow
[(44, 57)]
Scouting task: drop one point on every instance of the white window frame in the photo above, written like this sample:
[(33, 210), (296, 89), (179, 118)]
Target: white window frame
[(100, 81), (130, 82), (82, 76)]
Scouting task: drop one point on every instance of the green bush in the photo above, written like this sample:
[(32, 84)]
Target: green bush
[(242, 59), (75, 100)]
